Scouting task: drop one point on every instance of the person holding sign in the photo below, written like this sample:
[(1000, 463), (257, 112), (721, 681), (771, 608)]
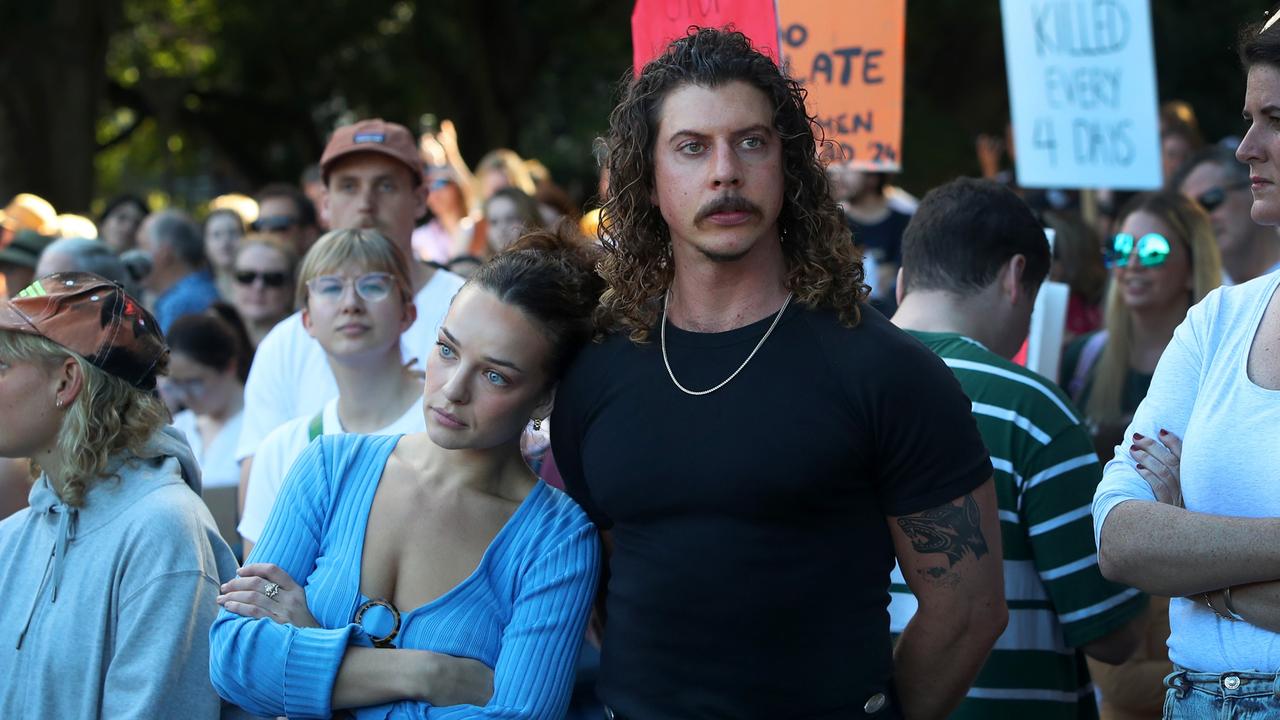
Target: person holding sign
[(760, 444), (1206, 534)]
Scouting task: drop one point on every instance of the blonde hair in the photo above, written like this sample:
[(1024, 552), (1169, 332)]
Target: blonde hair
[(1190, 224), (107, 416), (509, 163), (365, 247), (271, 242)]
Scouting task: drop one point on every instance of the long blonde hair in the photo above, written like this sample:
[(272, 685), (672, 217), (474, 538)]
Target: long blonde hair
[(1190, 224), (109, 414)]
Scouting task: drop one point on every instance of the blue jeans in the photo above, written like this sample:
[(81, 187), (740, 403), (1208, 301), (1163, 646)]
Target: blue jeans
[(1225, 696)]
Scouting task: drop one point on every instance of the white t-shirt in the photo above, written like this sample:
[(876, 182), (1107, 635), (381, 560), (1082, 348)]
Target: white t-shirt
[(283, 445), (218, 466), (291, 377), (1202, 393)]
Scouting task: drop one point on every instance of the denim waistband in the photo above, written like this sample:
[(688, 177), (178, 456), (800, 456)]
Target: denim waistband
[(1224, 685)]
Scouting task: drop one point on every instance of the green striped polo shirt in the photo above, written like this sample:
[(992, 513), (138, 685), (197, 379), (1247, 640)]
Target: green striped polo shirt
[(1045, 475)]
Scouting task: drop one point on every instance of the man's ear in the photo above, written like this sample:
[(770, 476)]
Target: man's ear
[(69, 382), (420, 201), (324, 207), (899, 287), (1011, 278)]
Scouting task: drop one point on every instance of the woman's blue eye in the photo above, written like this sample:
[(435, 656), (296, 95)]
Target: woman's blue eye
[(445, 350), (495, 378)]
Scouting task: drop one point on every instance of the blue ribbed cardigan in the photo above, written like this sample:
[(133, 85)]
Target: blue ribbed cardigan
[(522, 611)]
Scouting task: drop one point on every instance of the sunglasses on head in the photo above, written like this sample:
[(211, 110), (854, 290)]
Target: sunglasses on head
[(1153, 249), (1213, 197), (273, 223), (269, 279)]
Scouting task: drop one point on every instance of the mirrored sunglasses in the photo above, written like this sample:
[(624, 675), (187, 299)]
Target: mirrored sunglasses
[(1153, 249), (1212, 198), (269, 279), (371, 287)]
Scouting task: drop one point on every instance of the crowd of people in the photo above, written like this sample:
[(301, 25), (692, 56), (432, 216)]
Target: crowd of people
[(412, 440)]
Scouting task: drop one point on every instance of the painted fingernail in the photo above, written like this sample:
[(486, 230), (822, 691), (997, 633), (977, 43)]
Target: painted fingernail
[(1136, 436), (1134, 448), (1163, 432), (1141, 466)]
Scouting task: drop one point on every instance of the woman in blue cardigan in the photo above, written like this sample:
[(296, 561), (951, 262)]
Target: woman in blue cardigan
[(431, 575)]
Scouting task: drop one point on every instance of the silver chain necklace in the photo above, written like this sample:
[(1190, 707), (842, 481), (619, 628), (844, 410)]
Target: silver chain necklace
[(666, 300)]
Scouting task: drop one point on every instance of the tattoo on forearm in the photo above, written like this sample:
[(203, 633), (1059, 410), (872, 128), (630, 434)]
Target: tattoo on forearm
[(952, 530)]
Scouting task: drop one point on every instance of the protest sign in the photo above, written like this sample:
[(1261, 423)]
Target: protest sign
[(1048, 322), (849, 56), (1082, 88), (655, 23)]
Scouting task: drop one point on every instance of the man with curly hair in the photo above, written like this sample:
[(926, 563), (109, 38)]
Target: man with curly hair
[(759, 444)]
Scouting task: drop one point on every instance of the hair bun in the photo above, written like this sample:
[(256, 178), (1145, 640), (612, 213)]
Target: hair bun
[(551, 275)]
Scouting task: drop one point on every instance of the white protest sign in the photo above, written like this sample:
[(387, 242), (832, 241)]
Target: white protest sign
[(1082, 89), (1048, 320)]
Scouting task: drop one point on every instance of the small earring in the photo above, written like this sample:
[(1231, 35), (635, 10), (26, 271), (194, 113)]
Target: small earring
[(58, 403), (537, 424)]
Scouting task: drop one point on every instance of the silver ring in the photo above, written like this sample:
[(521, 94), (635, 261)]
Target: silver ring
[(271, 590)]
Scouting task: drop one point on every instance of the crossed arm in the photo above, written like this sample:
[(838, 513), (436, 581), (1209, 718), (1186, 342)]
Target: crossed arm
[(1168, 549), (951, 559)]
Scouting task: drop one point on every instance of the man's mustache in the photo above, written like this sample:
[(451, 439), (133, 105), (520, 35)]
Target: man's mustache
[(727, 204)]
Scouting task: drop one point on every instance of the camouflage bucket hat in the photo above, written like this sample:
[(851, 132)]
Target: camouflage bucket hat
[(92, 317)]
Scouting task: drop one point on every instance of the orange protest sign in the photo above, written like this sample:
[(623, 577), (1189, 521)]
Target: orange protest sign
[(850, 57), (655, 23)]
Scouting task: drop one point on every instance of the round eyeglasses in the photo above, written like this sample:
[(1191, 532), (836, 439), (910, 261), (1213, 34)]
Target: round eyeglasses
[(371, 287)]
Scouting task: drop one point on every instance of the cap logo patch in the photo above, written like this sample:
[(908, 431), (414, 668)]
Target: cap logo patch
[(35, 289), (369, 138)]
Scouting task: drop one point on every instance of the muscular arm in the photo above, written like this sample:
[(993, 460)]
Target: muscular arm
[(951, 559), (1171, 551)]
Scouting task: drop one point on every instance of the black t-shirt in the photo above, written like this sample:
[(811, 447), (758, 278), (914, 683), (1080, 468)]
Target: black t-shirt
[(751, 557), (881, 240)]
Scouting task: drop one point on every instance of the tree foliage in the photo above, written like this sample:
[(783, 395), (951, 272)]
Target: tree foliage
[(199, 97)]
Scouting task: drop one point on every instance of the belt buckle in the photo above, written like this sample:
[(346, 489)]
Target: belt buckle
[(383, 641)]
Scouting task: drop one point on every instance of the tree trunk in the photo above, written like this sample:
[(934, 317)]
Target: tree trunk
[(52, 81)]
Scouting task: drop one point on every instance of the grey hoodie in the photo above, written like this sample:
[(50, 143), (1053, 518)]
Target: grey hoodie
[(105, 609)]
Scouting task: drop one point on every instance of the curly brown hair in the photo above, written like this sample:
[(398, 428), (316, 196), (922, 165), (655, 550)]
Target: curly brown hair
[(823, 267)]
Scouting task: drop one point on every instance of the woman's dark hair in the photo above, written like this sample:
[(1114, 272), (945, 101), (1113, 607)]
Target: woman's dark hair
[(215, 338), (823, 268), (525, 205), (1256, 46), (551, 276), (1075, 251), (120, 201), (554, 196)]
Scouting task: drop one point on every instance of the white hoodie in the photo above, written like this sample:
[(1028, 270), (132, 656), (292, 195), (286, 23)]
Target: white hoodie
[(105, 609)]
